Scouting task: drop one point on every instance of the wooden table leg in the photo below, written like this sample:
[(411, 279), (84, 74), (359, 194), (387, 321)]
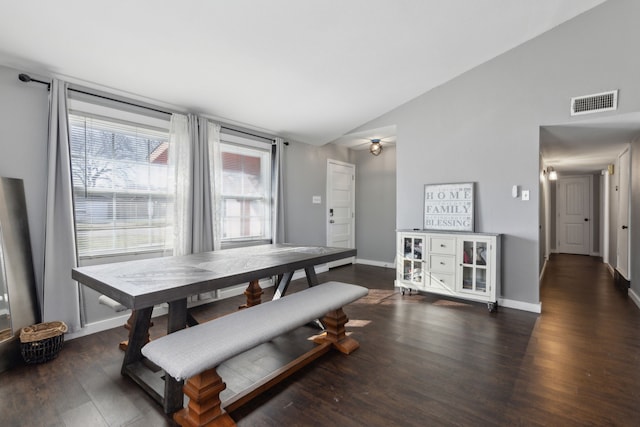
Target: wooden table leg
[(283, 284), (312, 279), (124, 344), (173, 397), (253, 293), (137, 337)]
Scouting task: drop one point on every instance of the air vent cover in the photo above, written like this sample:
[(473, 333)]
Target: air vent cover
[(595, 103)]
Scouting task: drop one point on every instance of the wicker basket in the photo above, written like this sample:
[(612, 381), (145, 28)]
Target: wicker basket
[(42, 342)]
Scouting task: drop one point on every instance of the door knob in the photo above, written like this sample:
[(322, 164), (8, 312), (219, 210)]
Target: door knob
[(331, 221), (624, 227), (586, 219)]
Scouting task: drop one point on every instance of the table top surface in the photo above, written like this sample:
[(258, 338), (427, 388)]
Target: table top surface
[(144, 283)]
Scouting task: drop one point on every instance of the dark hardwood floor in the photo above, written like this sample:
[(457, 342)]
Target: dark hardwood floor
[(423, 361)]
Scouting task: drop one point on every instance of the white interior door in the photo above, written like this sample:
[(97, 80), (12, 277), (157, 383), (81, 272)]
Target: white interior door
[(573, 203), (341, 178), (622, 261)]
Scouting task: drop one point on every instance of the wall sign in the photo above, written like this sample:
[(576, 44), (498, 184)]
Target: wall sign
[(449, 206)]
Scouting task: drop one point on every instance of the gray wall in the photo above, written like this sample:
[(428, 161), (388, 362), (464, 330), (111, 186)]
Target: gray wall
[(614, 183), (595, 221), (305, 176), (544, 222), (24, 113), (376, 206), (484, 127)]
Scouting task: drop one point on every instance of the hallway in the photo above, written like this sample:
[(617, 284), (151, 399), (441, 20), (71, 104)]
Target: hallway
[(582, 364)]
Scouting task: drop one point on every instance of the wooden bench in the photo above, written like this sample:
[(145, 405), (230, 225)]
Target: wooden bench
[(195, 353)]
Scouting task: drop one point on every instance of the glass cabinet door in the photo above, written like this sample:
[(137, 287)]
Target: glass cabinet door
[(474, 266), (413, 259)]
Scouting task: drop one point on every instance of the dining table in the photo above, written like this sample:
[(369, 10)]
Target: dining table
[(140, 285)]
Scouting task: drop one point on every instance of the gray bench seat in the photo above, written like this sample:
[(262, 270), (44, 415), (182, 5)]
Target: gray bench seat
[(196, 352), (190, 351)]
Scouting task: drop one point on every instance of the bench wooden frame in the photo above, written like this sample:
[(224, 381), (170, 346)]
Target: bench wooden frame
[(203, 389)]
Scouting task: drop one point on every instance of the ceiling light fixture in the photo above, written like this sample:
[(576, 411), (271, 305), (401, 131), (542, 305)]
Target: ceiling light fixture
[(375, 148)]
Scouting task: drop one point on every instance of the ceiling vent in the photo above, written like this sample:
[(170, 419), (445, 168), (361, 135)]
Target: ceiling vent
[(595, 103)]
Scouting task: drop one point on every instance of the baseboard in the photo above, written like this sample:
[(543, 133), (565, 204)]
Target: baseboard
[(634, 297), (384, 264), (544, 268), (520, 305)]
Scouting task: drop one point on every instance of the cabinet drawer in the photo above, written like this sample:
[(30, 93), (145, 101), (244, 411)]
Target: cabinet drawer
[(442, 263), (442, 245), (443, 279)]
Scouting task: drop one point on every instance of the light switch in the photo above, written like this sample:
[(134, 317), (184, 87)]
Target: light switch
[(316, 200), (525, 194)]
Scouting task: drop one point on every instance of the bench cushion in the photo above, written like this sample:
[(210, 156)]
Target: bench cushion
[(190, 351)]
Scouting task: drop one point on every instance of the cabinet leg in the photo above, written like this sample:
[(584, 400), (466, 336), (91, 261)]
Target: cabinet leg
[(492, 306)]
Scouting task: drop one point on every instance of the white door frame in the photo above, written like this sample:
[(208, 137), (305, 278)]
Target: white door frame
[(624, 222), (559, 204), (329, 199)]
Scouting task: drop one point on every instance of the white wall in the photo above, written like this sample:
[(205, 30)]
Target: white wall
[(634, 226), (484, 127)]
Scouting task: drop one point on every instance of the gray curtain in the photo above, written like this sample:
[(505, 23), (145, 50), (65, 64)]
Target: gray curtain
[(189, 155), (191, 143), (278, 187), (202, 209), (60, 299)]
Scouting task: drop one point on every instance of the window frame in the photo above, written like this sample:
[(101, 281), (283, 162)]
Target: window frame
[(263, 145)]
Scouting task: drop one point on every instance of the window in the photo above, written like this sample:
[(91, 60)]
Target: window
[(121, 181), (245, 193)]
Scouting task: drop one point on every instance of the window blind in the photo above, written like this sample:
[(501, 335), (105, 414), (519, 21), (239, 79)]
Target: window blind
[(245, 191), (121, 182)]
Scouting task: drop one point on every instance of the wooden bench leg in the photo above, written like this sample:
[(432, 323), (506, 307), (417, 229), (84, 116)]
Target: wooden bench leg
[(334, 323), (204, 407), (253, 293)]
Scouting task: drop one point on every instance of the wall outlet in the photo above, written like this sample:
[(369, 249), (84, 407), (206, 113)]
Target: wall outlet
[(525, 194), (316, 200)]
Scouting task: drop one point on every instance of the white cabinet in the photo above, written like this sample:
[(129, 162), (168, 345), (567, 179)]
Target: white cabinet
[(456, 264)]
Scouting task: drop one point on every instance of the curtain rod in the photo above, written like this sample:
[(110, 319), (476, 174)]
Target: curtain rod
[(248, 133), (133, 104), (26, 78)]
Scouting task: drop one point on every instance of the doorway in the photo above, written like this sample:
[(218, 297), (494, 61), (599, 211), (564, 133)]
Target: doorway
[(595, 147), (341, 219), (574, 207)]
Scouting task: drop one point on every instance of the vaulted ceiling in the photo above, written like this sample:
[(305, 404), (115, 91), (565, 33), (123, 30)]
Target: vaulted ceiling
[(308, 71)]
